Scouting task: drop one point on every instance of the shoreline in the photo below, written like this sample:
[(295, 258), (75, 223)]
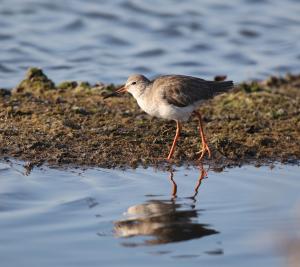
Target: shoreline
[(70, 124)]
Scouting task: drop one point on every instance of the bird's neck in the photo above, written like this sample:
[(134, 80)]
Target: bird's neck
[(142, 93)]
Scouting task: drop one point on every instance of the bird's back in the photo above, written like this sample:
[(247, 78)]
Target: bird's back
[(181, 90)]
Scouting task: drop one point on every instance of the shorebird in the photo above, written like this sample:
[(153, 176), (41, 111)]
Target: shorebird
[(174, 97)]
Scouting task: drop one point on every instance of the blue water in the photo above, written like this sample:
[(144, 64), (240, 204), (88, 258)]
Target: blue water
[(108, 40), (98, 217)]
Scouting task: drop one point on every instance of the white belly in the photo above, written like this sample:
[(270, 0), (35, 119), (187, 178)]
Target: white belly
[(164, 110)]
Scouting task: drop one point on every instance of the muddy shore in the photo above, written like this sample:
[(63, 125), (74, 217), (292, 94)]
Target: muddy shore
[(72, 124)]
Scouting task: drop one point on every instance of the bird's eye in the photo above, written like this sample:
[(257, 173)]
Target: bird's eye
[(133, 83)]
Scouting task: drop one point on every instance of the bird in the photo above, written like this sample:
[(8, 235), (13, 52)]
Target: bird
[(174, 97)]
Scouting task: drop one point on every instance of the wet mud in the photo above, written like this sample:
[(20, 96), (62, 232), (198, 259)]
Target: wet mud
[(71, 124)]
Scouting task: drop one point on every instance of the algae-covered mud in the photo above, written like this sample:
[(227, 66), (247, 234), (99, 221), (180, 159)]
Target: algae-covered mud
[(72, 123)]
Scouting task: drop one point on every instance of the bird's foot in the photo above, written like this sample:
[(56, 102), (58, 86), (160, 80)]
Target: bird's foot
[(205, 148), (169, 160)]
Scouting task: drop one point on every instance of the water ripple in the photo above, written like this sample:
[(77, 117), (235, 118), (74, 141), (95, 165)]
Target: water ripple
[(145, 11), (115, 38), (101, 15), (249, 33), (74, 25), (151, 53)]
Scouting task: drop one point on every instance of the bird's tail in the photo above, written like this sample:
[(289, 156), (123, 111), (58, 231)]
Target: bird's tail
[(220, 87)]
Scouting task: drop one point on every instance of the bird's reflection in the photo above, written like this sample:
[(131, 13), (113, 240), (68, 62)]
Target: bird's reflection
[(202, 175), (164, 221)]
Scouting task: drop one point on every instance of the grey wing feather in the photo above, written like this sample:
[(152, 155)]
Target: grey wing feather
[(181, 91)]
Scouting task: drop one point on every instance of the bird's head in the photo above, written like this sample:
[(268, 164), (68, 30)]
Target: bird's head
[(135, 85)]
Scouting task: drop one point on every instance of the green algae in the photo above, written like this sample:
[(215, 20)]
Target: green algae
[(72, 123), (67, 85), (35, 81)]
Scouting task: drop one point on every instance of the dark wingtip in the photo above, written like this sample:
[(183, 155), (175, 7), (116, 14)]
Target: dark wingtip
[(223, 86), (228, 85), (231, 83)]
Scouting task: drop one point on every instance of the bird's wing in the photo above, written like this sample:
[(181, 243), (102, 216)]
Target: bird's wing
[(181, 91)]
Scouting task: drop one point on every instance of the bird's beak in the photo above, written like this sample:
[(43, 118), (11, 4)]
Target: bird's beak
[(121, 90), (117, 92)]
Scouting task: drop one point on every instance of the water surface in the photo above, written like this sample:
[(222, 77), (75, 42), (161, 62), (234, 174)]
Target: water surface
[(98, 217), (108, 40)]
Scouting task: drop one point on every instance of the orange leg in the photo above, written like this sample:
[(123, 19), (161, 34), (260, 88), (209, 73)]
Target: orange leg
[(178, 130), (203, 139)]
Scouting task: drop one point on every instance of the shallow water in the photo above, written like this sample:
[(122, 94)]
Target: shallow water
[(107, 40), (98, 217)]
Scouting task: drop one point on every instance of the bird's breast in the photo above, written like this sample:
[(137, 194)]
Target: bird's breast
[(149, 106)]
